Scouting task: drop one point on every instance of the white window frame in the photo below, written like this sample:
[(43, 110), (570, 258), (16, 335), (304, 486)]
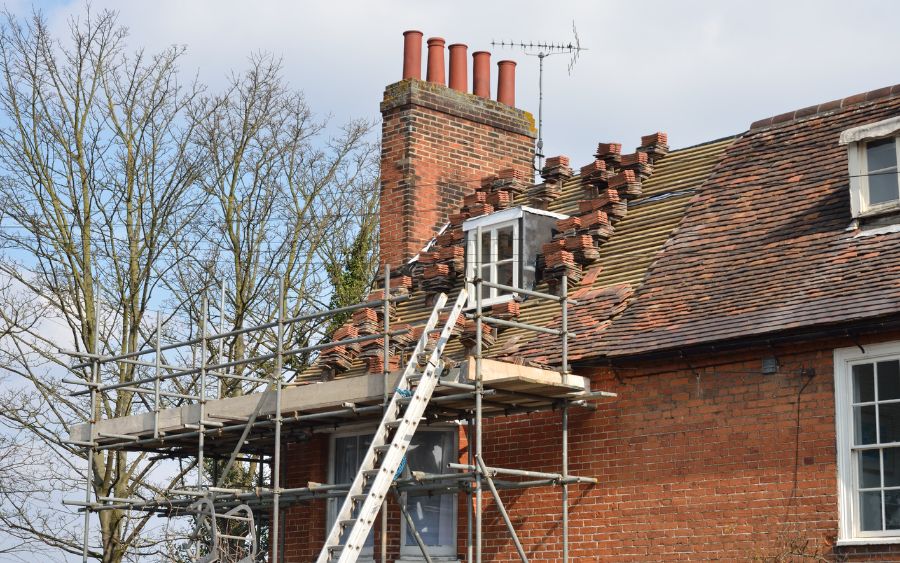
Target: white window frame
[(848, 511), (856, 140), (490, 295), (407, 553)]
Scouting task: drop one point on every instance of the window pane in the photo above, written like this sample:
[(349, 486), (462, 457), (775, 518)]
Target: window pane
[(870, 511), (345, 454), (891, 457), (486, 276), (433, 515), (883, 187), (504, 276), (505, 243), (892, 510), (362, 446), (889, 380), (864, 425), (881, 162), (427, 452), (869, 469), (889, 422), (863, 383), (486, 247), (881, 154), (349, 452)]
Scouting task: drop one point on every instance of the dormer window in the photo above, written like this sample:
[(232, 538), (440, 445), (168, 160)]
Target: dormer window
[(510, 242), (873, 152)]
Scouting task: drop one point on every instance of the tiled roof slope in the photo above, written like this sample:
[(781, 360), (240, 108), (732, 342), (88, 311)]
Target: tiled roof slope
[(766, 244), (625, 257), (651, 217), (603, 289)]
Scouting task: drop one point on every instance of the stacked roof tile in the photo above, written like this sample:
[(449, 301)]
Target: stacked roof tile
[(611, 236)]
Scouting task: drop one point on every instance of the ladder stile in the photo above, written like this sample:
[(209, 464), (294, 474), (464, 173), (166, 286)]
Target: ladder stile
[(384, 457)]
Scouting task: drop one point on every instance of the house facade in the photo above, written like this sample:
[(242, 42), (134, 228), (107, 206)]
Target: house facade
[(741, 298)]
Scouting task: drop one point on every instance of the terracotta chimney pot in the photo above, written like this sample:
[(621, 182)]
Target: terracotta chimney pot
[(506, 83), (481, 74), (412, 54), (436, 73), (458, 71)]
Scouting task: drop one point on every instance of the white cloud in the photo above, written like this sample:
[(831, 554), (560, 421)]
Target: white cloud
[(696, 69)]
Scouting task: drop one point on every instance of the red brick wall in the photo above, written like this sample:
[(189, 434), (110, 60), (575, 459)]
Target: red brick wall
[(304, 523), (437, 144), (731, 465), (712, 461)]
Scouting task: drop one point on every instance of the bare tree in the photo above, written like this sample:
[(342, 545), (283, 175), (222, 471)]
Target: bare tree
[(288, 197), (98, 178), (122, 188), (290, 201)]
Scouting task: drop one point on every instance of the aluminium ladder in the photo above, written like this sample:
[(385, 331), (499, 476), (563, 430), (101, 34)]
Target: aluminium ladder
[(385, 455)]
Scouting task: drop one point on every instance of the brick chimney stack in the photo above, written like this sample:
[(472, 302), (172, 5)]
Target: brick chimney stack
[(437, 143)]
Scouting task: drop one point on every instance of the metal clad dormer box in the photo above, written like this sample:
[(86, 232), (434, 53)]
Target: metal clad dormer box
[(510, 243)]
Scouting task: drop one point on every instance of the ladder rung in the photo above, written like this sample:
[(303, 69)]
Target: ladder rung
[(360, 498), (371, 472), (383, 449), (348, 522), (394, 424), (417, 378)]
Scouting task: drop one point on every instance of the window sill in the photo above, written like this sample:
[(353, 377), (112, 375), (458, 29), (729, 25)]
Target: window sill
[(868, 541), (879, 210)]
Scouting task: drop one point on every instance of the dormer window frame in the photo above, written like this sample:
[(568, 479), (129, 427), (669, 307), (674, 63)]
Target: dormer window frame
[(530, 229), (493, 233), (859, 141)]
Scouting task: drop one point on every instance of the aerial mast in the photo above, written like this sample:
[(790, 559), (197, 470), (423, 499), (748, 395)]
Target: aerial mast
[(542, 50)]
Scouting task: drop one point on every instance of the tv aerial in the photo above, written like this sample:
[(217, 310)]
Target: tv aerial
[(542, 50)]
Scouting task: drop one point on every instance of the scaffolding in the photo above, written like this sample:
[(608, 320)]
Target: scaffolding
[(258, 438)]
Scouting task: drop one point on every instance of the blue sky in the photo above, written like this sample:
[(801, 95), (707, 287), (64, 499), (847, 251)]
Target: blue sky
[(698, 70)]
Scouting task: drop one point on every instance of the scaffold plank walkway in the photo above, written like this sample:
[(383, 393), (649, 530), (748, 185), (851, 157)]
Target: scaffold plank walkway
[(512, 386)]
